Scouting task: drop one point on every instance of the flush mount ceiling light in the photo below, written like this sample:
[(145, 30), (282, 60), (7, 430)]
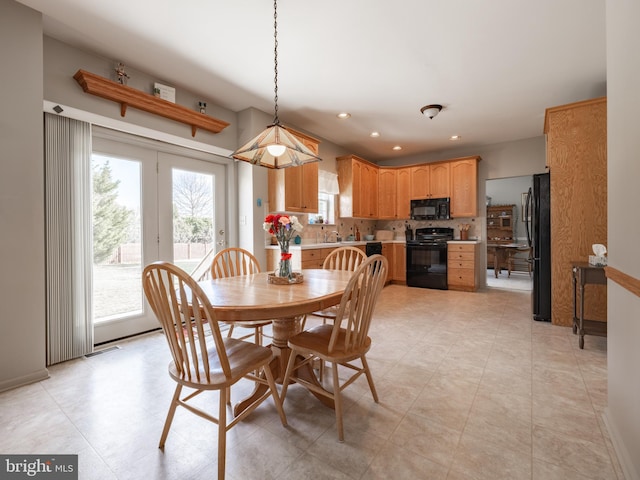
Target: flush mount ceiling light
[(397, 148), (344, 115), (431, 110), (275, 147), (374, 134), (455, 137)]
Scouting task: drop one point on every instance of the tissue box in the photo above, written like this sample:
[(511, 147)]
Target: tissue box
[(597, 260)]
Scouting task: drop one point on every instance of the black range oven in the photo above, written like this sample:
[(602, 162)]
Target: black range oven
[(427, 257)]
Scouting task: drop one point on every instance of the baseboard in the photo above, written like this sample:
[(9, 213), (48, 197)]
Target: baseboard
[(24, 380), (624, 458)]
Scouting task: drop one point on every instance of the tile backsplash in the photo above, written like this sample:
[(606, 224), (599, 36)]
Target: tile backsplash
[(314, 233)]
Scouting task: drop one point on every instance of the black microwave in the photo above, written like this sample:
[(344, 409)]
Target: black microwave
[(430, 209)]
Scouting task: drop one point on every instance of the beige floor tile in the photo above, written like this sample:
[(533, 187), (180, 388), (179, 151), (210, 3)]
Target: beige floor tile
[(572, 453), (428, 438), (395, 462)]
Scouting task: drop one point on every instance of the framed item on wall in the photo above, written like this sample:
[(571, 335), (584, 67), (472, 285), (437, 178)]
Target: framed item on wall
[(523, 202)]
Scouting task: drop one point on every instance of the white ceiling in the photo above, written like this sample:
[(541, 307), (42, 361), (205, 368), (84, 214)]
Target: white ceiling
[(495, 65)]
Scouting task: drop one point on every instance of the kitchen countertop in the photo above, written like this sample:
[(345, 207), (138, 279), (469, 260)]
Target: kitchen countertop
[(468, 242), (305, 246)]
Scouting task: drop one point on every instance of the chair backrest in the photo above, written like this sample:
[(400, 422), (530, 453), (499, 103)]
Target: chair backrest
[(344, 258), (186, 316), (358, 301), (233, 262)]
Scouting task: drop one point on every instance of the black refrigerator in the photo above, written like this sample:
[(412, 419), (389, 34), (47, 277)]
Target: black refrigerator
[(538, 210)]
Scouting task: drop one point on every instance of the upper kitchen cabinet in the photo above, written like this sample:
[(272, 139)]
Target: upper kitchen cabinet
[(430, 181), (295, 189), (358, 181), (387, 195), (464, 186), (403, 189)]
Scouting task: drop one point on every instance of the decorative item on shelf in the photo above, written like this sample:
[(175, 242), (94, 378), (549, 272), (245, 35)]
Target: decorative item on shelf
[(121, 75), (166, 92), (283, 228), (202, 106), (275, 147), (464, 231), (297, 240), (156, 92)]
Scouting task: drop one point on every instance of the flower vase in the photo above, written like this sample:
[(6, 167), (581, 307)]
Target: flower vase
[(284, 269)]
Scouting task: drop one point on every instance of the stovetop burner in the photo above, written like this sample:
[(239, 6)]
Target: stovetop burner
[(431, 235)]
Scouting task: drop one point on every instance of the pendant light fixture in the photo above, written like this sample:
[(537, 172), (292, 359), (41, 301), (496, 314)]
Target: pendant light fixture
[(275, 147)]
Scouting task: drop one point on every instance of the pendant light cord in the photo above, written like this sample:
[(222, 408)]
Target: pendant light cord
[(276, 121)]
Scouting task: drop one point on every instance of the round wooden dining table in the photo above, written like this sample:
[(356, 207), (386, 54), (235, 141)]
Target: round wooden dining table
[(250, 298)]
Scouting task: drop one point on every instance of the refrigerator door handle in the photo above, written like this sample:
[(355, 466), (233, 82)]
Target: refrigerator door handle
[(527, 216)]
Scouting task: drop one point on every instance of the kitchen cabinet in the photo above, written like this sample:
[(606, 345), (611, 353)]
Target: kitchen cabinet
[(295, 189), (358, 181), (403, 192), (464, 187), (387, 195), (388, 253), (399, 263), (462, 270), (430, 181), (420, 181), (576, 140)]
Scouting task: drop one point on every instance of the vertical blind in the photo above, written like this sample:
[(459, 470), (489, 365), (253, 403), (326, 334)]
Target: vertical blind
[(68, 238)]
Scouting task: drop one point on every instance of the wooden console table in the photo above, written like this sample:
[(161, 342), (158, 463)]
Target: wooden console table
[(584, 273)]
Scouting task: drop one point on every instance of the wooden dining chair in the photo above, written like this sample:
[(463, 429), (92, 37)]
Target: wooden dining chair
[(519, 256), (343, 258), (202, 359), (344, 341), (233, 262)]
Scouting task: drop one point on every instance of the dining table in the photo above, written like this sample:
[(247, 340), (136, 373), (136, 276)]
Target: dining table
[(501, 253), (250, 298)]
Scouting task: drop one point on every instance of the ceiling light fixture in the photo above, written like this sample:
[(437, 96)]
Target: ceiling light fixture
[(275, 147), (431, 110), (374, 134), (397, 148), (344, 115), (455, 137)]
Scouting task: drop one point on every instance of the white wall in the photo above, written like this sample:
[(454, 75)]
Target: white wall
[(623, 341), (22, 301)]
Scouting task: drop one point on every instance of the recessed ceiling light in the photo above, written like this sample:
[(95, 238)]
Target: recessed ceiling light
[(455, 137), (374, 134), (397, 147), (343, 115)]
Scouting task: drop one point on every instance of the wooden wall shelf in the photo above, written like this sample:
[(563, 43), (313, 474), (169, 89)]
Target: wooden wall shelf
[(127, 96)]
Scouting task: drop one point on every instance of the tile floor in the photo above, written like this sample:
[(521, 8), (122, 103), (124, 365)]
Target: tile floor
[(470, 388)]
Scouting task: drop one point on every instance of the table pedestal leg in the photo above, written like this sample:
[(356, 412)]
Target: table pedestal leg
[(283, 329)]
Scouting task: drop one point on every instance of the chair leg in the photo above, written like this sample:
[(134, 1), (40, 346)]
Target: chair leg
[(170, 414), (337, 400), (230, 332), (274, 392), (222, 432), (287, 376), (367, 372)]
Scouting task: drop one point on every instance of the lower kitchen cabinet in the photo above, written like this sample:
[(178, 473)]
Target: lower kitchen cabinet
[(399, 271), (462, 266)]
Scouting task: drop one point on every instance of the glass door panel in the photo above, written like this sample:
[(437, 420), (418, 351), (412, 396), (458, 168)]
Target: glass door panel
[(193, 219), (117, 247)]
